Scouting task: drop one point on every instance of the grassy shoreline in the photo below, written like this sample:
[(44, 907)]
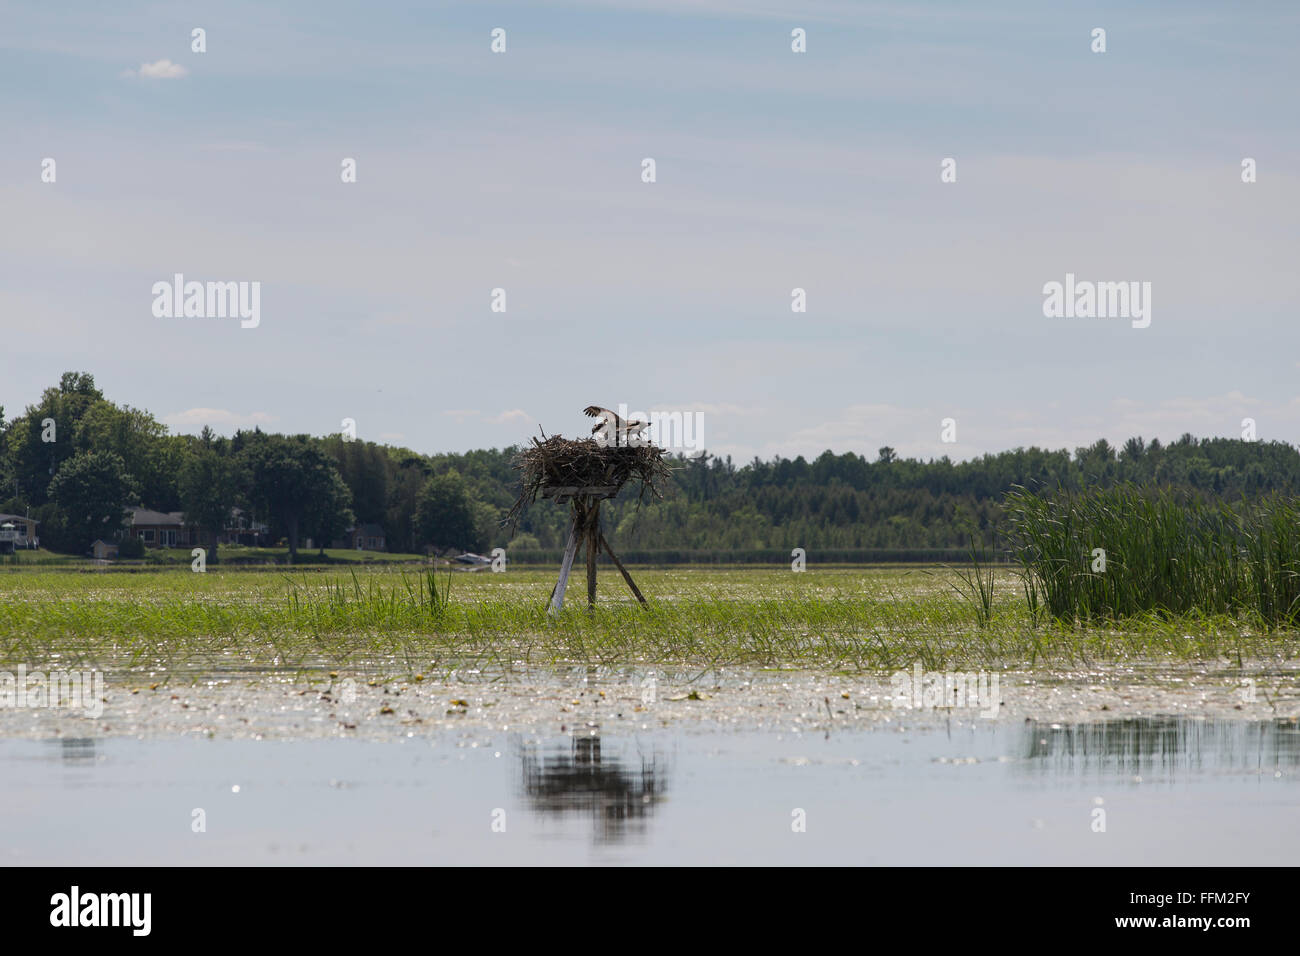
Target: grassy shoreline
[(830, 619)]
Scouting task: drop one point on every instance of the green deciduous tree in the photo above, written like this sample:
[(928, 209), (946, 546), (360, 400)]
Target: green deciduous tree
[(208, 490), (41, 439), (152, 457), (284, 476), (91, 491), (328, 513), (445, 514)]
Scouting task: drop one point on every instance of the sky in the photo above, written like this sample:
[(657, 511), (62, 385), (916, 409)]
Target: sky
[(774, 170)]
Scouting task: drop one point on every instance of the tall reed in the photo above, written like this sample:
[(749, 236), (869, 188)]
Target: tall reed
[(1109, 553)]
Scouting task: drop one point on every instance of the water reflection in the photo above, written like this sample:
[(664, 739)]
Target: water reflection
[(1174, 745), (618, 793), (76, 750)]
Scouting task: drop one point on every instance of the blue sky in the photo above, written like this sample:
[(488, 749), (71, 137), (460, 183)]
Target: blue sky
[(775, 170)]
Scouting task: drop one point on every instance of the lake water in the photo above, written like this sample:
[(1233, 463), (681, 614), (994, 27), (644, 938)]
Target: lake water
[(1166, 791)]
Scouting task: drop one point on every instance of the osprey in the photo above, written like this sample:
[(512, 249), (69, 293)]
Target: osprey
[(613, 430)]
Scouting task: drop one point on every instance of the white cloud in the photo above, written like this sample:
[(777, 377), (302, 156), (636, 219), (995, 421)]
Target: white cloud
[(160, 70)]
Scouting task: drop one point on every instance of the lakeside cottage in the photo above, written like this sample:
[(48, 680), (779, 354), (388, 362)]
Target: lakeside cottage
[(17, 531), (366, 537), (168, 529), (161, 529), (242, 529)]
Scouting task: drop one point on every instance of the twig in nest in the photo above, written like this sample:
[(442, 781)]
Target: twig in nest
[(585, 463)]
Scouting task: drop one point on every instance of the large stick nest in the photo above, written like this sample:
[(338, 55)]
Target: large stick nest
[(586, 463)]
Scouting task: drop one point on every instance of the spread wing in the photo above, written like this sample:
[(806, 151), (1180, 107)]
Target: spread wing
[(606, 418)]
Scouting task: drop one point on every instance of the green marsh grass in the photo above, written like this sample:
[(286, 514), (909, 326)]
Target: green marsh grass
[(1165, 554), (831, 619), (976, 583)]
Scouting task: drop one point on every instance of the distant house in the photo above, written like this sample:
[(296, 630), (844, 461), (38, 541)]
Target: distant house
[(161, 529), (103, 550), (242, 529), (366, 537), (17, 531)]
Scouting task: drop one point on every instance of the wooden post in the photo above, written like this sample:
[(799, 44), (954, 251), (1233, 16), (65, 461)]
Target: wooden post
[(621, 570), (584, 528), (592, 529), (570, 550)]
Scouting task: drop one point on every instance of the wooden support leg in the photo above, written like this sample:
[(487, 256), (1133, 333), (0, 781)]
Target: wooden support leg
[(593, 529), (621, 570), (570, 551)]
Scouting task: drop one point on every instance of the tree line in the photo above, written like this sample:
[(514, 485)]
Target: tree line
[(76, 461)]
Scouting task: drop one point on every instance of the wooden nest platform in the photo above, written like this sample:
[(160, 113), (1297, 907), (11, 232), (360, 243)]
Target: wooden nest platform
[(553, 467), (582, 473)]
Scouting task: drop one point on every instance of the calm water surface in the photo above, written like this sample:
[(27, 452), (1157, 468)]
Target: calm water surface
[(1168, 791)]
